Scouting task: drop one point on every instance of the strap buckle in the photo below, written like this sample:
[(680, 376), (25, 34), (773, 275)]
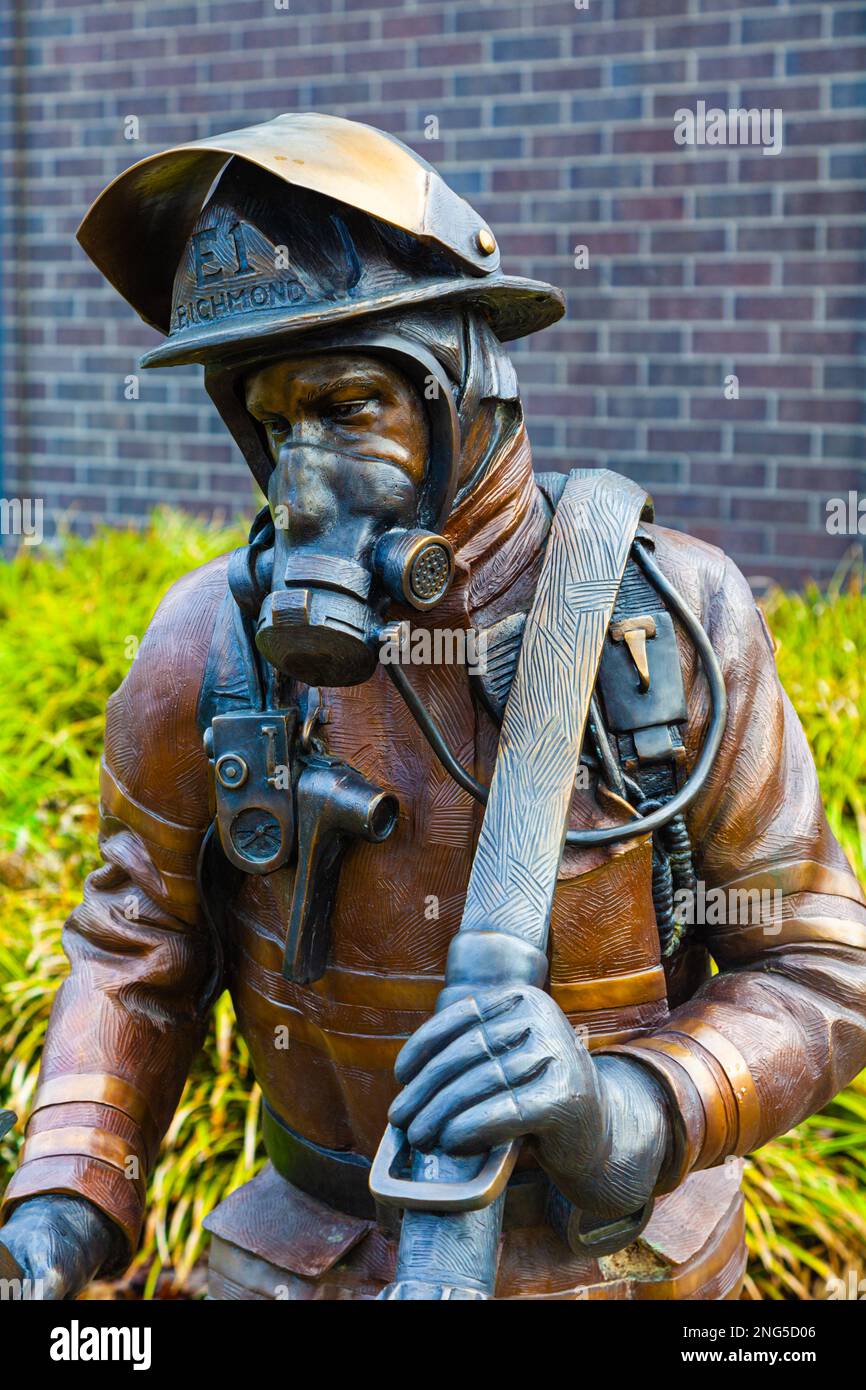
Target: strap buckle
[(431, 1193)]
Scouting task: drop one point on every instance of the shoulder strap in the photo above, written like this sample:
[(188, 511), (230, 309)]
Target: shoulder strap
[(551, 485), (231, 681), (503, 638), (522, 835), (646, 733)]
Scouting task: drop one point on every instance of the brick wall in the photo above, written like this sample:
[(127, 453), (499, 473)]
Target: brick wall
[(558, 124)]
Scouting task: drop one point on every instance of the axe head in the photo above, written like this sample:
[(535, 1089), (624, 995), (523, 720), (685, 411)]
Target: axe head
[(7, 1120)]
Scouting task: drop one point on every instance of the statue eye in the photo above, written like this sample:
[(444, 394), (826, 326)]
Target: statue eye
[(347, 410)]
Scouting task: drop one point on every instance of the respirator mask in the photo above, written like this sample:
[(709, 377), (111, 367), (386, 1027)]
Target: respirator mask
[(344, 534)]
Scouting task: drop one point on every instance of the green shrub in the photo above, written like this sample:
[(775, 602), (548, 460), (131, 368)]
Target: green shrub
[(70, 624), (806, 1192)]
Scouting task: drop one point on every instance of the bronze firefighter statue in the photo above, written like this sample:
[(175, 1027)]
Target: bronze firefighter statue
[(465, 908)]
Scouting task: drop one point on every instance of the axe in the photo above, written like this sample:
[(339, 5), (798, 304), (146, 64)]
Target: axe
[(453, 1206)]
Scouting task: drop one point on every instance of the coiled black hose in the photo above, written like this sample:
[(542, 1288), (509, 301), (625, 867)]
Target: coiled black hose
[(664, 812)]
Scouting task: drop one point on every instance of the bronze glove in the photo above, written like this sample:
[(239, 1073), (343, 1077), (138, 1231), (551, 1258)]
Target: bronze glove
[(505, 1063), (60, 1243)]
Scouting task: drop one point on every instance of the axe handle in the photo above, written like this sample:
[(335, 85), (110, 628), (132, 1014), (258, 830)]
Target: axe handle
[(506, 918), (444, 1255)]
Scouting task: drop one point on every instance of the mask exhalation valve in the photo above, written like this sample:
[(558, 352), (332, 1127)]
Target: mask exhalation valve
[(414, 567)]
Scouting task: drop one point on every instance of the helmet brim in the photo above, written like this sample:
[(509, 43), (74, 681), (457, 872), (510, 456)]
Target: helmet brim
[(514, 307)]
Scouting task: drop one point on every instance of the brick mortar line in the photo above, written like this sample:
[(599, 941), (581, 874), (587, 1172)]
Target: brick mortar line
[(88, 72)]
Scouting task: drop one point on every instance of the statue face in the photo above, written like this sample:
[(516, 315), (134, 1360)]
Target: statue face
[(346, 403), (349, 439)]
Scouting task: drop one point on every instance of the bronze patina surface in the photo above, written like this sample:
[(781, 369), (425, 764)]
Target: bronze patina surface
[(290, 828)]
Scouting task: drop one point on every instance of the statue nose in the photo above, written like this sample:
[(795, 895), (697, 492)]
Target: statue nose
[(303, 489)]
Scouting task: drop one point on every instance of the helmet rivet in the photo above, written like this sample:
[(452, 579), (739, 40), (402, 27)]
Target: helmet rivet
[(486, 241)]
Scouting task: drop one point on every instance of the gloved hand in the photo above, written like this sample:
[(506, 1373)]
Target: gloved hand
[(505, 1063), (62, 1241)]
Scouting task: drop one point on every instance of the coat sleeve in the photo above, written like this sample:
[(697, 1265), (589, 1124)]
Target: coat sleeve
[(131, 1015), (782, 1026)]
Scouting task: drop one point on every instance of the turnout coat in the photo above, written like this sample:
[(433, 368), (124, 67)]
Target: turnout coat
[(743, 1053)]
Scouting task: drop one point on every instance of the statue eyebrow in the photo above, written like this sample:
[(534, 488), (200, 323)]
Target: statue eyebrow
[(351, 381), (358, 380)]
